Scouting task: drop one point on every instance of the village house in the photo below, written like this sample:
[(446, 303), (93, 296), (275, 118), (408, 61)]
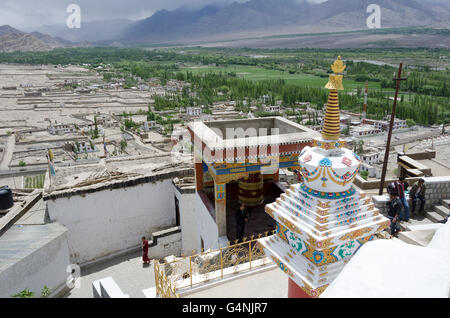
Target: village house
[(61, 129), (272, 109), (365, 130), (193, 111)]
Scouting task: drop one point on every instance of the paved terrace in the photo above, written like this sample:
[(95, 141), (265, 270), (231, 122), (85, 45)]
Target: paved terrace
[(127, 271)]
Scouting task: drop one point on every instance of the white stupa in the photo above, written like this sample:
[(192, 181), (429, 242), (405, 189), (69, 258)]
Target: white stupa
[(323, 221)]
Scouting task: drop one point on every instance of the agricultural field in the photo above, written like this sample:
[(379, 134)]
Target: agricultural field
[(256, 73), (34, 182)]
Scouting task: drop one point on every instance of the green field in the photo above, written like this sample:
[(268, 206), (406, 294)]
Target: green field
[(256, 73), (36, 182)]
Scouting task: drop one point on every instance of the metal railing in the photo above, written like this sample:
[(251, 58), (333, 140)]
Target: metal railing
[(171, 278)]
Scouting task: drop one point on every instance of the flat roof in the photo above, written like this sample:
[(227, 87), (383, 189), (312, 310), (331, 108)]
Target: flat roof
[(115, 173), (251, 132), (21, 241)]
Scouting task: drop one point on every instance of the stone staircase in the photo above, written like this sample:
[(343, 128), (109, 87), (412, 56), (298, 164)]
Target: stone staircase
[(440, 212), (437, 215), (420, 229)]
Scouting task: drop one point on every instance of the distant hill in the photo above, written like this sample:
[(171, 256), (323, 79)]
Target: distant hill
[(6, 29), (12, 40), (275, 16), (21, 42), (53, 42)]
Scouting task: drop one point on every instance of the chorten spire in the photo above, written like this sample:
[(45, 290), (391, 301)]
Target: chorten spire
[(331, 126), (324, 220)]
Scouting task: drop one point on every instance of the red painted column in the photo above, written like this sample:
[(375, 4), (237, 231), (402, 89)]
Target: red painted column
[(199, 175), (296, 292), (276, 176)]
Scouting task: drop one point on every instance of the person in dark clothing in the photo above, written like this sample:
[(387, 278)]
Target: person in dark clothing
[(241, 219), (394, 207), (145, 258), (401, 186), (417, 192)]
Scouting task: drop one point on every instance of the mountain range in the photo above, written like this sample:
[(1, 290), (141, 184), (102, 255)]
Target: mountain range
[(270, 17), (254, 19)]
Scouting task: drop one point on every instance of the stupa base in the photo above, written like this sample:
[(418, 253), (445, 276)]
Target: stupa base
[(294, 291)]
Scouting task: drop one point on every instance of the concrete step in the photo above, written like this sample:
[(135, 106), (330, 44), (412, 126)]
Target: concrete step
[(420, 238), (424, 227), (414, 221), (446, 203), (434, 216), (441, 210)]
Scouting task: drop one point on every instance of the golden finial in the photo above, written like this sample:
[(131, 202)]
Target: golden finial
[(335, 81), (338, 66)]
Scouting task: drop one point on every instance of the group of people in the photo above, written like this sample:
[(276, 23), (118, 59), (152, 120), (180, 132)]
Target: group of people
[(398, 205)]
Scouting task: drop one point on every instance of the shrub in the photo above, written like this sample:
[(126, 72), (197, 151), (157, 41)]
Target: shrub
[(410, 122), (24, 294), (45, 292), (364, 174)]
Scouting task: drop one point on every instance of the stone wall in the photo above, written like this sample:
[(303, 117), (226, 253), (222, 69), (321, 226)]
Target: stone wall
[(437, 188), (375, 184)]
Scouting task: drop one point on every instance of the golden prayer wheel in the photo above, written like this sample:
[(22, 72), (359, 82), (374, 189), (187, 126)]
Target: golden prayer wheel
[(251, 189)]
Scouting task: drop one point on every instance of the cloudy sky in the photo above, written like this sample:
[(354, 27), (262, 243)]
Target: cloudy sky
[(30, 14)]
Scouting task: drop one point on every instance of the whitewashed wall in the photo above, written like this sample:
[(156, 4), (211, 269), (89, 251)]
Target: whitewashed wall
[(108, 221), (207, 226), (188, 221)]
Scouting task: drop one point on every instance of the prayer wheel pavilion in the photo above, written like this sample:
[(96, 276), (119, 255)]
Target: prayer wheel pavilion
[(324, 220), (238, 161)]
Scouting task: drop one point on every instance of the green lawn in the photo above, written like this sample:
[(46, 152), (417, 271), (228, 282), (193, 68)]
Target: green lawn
[(258, 74)]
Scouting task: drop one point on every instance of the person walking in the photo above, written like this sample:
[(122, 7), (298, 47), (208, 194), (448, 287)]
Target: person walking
[(417, 192), (401, 186), (394, 207), (145, 258), (241, 218)]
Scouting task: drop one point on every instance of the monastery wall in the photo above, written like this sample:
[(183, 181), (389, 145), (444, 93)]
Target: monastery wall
[(104, 222), (188, 221), (207, 227)]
